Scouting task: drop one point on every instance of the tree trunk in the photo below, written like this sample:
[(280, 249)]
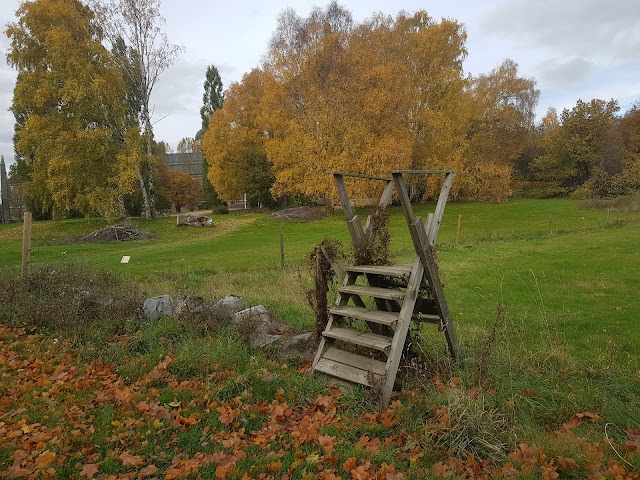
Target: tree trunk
[(148, 192), (146, 210)]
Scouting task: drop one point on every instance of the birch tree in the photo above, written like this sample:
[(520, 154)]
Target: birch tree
[(138, 24), (67, 99)]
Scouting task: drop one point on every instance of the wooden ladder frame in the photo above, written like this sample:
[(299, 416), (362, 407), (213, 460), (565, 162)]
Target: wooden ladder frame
[(423, 236), (423, 271)]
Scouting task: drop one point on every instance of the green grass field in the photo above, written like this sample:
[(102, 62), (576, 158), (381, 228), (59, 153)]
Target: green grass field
[(555, 266), (566, 278)]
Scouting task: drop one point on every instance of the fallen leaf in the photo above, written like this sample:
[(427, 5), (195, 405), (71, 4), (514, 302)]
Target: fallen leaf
[(129, 460), (89, 470), (633, 439), (565, 463), (349, 464), (45, 458), (147, 471)]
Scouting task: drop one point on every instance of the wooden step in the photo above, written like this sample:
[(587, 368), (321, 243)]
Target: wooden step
[(375, 316), (389, 270), (358, 337), (384, 293), (351, 367), (426, 318)]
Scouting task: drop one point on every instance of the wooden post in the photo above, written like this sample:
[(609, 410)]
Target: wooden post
[(281, 247), (458, 234), (26, 244)]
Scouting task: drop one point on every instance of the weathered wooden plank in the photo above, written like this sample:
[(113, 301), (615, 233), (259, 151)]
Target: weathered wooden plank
[(356, 227), (346, 372), (398, 270), (385, 199), (375, 292), (375, 316), (439, 211), (422, 172), (431, 270), (344, 196), (355, 360), (403, 195), (428, 224), (365, 339), (402, 328), (427, 318), (425, 252), (361, 175)]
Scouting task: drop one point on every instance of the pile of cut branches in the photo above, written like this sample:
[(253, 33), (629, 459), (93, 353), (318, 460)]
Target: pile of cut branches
[(116, 233)]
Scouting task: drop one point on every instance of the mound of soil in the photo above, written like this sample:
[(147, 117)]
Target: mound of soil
[(299, 214), (116, 233)]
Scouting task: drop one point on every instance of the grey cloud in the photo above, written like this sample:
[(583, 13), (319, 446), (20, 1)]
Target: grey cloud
[(571, 27), (7, 82), (569, 72)]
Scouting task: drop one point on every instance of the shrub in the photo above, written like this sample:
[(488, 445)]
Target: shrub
[(220, 210), (71, 298)]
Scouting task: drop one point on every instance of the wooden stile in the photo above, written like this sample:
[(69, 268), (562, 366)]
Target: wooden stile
[(394, 289)]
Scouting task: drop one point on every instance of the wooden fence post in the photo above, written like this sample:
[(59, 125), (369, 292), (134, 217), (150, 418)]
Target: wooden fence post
[(281, 247), (26, 244), (458, 234)]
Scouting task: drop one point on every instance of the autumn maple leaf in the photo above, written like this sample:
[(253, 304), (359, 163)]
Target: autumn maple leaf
[(129, 460), (633, 439), (89, 470)]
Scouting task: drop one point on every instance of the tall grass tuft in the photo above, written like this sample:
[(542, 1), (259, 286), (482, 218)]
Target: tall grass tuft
[(70, 298)]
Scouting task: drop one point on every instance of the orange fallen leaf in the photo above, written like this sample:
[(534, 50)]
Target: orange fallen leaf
[(273, 467), (305, 367), (633, 439), (129, 460), (147, 471), (45, 458), (472, 392), (566, 463), (125, 395), (89, 470), (349, 464)]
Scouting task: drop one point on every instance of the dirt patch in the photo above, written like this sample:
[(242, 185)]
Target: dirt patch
[(123, 232), (299, 214)]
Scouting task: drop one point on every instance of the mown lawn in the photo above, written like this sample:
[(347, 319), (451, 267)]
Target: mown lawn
[(548, 386)]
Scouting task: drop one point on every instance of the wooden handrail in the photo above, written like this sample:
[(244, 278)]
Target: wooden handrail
[(361, 175), (423, 172)]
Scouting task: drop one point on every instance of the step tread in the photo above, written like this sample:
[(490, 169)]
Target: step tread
[(350, 366), (358, 337), (375, 316), (427, 318), (384, 293), (398, 270)]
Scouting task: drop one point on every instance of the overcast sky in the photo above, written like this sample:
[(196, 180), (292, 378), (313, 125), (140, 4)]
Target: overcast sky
[(575, 49)]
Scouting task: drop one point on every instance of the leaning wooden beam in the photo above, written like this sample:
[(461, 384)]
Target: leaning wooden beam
[(385, 200), (405, 201), (402, 328), (434, 226), (344, 196), (425, 252)]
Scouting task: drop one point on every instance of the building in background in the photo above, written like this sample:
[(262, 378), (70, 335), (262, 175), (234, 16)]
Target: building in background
[(190, 163)]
